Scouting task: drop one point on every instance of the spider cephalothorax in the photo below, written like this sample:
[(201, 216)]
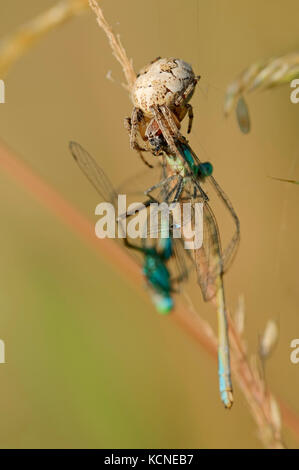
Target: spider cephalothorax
[(161, 95)]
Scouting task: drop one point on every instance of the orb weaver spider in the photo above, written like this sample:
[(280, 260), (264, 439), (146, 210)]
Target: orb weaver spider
[(161, 95)]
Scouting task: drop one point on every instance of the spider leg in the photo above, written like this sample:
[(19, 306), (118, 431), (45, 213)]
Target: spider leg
[(128, 124), (169, 119), (144, 160), (190, 116), (188, 92), (134, 128), (132, 125), (165, 130)]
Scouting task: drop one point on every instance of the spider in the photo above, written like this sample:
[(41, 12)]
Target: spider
[(161, 95)]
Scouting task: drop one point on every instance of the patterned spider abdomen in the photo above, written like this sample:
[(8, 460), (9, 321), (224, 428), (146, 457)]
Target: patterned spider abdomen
[(160, 83)]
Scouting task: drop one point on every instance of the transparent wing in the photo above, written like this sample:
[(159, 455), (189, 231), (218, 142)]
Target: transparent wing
[(158, 232), (182, 269), (95, 175), (242, 115), (208, 258), (231, 247), (162, 238), (104, 187), (93, 172)]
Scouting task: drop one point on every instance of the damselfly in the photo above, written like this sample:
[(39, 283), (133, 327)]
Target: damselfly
[(187, 177), (156, 256)]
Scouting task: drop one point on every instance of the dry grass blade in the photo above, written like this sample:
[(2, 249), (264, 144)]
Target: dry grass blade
[(269, 339), (116, 45), (256, 392), (15, 45), (285, 180), (261, 76)]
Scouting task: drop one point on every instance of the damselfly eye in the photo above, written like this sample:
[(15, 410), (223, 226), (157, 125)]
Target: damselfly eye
[(206, 169)]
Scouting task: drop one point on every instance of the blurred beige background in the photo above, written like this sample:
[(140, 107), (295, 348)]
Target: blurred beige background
[(89, 362)]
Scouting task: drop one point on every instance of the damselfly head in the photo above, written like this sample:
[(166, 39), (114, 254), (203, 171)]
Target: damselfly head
[(205, 169)]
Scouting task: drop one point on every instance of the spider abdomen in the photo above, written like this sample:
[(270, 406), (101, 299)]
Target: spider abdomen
[(160, 83)]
